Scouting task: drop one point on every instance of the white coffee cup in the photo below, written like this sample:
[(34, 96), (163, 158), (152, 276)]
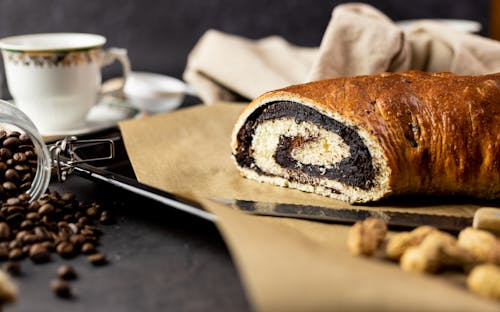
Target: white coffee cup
[(55, 78)]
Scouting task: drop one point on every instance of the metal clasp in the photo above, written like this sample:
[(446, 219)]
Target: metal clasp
[(64, 158)]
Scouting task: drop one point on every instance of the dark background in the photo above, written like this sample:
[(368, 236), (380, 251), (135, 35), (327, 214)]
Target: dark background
[(160, 34)]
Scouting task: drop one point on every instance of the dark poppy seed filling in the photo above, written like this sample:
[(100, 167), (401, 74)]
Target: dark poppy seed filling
[(355, 170)]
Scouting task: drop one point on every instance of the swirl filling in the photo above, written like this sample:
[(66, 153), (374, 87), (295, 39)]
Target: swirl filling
[(298, 143)]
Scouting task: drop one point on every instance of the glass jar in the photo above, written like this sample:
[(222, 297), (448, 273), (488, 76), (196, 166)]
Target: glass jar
[(13, 119)]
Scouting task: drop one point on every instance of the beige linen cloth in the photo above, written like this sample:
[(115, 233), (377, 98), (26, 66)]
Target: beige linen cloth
[(359, 40), (284, 264)]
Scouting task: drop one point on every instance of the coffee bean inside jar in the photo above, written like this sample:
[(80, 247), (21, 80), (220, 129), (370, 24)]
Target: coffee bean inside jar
[(18, 163)]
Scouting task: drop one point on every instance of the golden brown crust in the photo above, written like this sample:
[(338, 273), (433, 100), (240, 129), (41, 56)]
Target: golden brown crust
[(440, 133)]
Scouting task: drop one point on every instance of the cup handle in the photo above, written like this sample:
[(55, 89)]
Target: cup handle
[(109, 56)]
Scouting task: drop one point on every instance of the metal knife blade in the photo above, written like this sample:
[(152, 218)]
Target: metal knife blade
[(344, 215)]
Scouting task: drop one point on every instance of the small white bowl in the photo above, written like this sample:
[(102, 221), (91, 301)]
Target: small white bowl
[(154, 93)]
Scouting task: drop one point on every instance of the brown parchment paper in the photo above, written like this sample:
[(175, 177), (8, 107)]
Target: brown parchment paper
[(285, 264)]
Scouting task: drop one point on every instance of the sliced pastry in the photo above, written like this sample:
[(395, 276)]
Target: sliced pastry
[(360, 139)]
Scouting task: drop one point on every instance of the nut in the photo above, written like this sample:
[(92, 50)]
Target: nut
[(439, 250), (400, 242), (481, 244), (485, 280), (366, 236)]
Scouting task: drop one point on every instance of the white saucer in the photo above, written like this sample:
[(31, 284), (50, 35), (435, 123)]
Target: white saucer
[(106, 114)]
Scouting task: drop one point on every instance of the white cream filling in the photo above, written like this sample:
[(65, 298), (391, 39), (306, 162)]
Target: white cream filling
[(320, 147)]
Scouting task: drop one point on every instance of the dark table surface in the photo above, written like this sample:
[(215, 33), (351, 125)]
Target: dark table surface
[(160, 259)]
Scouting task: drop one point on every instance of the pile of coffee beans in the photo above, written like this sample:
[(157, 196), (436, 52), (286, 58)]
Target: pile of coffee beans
[(18, 163), (54, 223)]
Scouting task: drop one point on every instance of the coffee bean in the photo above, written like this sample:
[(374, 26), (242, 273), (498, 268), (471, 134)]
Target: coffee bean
[(97, 259), (73, 228), (9, 186), (51, 226), (27, 177), (22, 169), (92, 212), (66, 272), (49, 245), (12, 175), (15, 134), (77, 240), (5, 153), (15, 244), (30, 154), (88, 248), (34, 206), (62, 224), (65, 249), (33, 216), (46, 209), (21, 234), (15, 209), (11, 142), (29, 239), (68, 197), (3, 166), (15, 219), (39, 254), (86, 232), (26, 225), (41, 232), (95, 230), (83, 220), (4, 231), (25, 187), (16, 254), (13, 268), (106, 218), (13, 201), (24, 138), (64, 234), (19, 157), (61, 288)]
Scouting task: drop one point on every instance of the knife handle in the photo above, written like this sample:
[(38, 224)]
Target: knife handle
[(487, 219)]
